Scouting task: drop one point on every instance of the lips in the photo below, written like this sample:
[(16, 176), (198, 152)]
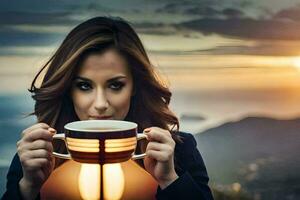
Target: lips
[(101, 117)]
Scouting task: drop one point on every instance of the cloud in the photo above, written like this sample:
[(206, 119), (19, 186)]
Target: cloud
[(189, 8), (261, 48), (233, 22), (35, 18), (289, 13), (155, 28), (203, 11), (232, 13), (27, 51), (224, 18), (10, 37), (248, 28), (53, 6), (208, 8)]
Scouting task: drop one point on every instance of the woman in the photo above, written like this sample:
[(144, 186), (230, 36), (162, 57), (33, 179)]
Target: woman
[(101, 71)]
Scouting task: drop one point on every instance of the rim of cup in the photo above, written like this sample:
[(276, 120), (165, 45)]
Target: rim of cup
[(111, 125)]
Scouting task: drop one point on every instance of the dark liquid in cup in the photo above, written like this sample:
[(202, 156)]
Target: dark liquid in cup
[(101, 129)]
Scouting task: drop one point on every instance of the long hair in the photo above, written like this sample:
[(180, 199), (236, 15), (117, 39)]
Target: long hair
[(149, 104)]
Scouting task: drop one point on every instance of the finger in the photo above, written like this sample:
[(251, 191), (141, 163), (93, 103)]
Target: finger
[(52, 130), (158, 136), (154, 128), (39, 153), (46, 169), (41, 144), (50, 167), (165, 149), (155, 146), (35, 126), (37, 163), (38, 134), (23, 147), (158, 155)]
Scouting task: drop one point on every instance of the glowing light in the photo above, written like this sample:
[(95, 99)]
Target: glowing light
[(89, 181), (236, 187), (296, 62), (114, 181)]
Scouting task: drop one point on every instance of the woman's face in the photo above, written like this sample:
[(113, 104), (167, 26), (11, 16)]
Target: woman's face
[(103, 87)]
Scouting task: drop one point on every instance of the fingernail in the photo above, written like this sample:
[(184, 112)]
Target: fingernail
[(147, 130), (52, 130)]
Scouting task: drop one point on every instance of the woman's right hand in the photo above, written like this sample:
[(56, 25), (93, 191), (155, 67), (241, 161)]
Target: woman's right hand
[(35, 153)]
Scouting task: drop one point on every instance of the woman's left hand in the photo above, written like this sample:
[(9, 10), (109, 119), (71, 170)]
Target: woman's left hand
[(159, 160)]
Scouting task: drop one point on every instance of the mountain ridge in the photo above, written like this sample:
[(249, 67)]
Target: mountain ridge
[(260, 153)]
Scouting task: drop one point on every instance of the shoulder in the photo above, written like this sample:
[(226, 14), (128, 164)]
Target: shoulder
[(184, 134), (188, 156), (188, 140), (187, 146)]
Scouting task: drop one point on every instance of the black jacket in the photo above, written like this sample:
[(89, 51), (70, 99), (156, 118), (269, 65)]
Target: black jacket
[(191, 184)]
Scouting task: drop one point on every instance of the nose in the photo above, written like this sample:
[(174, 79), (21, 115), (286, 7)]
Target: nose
[(100, 103)]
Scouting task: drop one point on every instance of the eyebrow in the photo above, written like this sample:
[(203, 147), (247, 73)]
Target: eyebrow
[(110, 80)]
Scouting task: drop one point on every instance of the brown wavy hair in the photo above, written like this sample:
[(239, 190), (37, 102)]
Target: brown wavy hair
[(149, 104)]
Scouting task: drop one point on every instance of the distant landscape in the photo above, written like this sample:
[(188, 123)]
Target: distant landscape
[(256, 156)]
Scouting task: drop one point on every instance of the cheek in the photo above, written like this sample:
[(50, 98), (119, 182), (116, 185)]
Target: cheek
[(81, 104), (121, 104), (125, 103)]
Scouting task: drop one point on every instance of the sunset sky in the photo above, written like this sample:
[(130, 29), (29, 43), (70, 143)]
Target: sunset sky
[(225, 48)]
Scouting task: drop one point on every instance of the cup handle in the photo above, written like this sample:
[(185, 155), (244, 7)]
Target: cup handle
[(140, 136), (61, 136)]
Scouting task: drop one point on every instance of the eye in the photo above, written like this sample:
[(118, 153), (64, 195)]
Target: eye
[(84, 86), (117, 85)]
